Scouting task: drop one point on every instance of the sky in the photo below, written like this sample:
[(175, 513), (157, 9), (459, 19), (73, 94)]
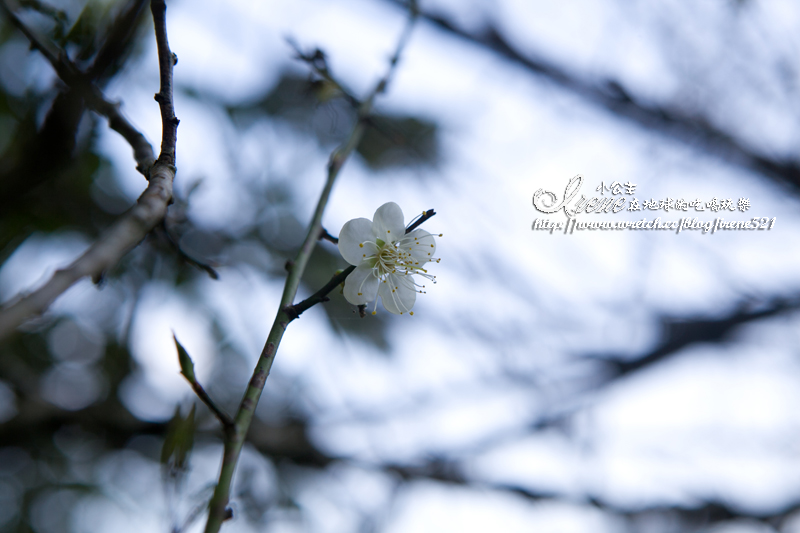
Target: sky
[(501, 341)]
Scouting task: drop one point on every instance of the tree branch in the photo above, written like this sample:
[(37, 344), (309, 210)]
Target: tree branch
[(94, 98), (22, 167), (681, 333), (704, 514), (235, 438), (166, 60), (294, 311), (316, 61), (132, 227), (116, 43), (106, 252)]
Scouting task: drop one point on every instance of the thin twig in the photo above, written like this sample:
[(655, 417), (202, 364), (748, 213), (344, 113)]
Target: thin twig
[(125, 233), (419, 221), (294, 311), (223, 417), (235, 438), (116, 40), (164, 232), (325, 236), (166, 60), (316, 60), (94, 98)]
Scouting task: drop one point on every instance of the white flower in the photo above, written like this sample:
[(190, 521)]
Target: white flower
[(386, 259)]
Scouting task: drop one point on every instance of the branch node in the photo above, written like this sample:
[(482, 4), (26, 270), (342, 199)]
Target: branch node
[(324, 235), (291, 312), (99, 277)]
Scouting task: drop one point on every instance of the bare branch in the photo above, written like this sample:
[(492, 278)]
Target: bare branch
[(166, 60), (106, 252), (22, 167), (116, 42), (418, 221), (132, 227), (681, 333), (694, 518)]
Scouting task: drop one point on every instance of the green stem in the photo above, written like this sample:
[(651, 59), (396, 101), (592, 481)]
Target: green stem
[(235, 436)]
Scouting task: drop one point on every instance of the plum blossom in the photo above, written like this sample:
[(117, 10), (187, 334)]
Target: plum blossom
[(386, 260)]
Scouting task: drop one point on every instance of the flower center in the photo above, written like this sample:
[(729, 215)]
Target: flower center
[(396, 258), (387, 259)]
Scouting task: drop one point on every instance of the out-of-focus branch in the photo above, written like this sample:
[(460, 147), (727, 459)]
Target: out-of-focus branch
[(680, 333), (22, 167), (115, 46), (106, 252), (163, 231), (218, 507), (94, 98), (132, 227), (290, 443), (693, 518), (316, 60), (609, 94)]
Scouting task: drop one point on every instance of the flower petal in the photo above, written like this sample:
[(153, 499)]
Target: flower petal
[(397, 293), (420, 244), (353, 234), (387, 224), (361, 286)]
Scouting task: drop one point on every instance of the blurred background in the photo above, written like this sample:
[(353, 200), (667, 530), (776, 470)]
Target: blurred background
[(629, 381)]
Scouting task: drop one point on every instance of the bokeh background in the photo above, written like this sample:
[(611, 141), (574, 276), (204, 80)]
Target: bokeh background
[(629, 381)]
